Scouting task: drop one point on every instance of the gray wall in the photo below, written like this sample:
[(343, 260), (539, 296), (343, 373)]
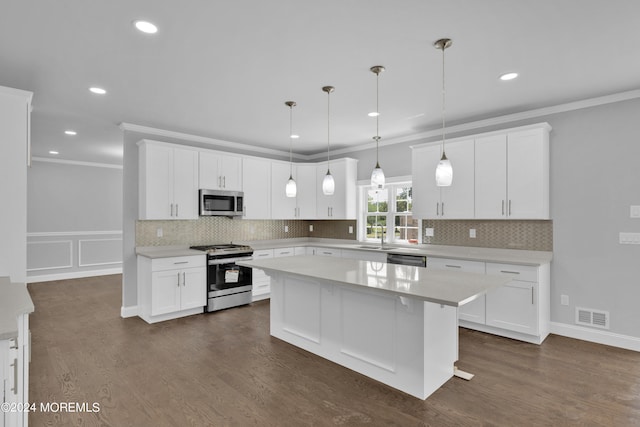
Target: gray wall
[(595, 177), (74, 219)]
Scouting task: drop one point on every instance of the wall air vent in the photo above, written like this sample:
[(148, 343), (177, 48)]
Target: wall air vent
[(591, 317)]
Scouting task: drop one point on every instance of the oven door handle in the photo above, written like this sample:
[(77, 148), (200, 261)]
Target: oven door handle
[(228, 260)]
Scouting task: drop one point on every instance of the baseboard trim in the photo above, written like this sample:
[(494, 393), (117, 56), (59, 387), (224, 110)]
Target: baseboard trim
[(600, 337), (131, 311), (73, 275)]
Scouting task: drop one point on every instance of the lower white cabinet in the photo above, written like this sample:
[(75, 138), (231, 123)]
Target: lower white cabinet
[(261, 282), (364, 255), (473, 311), (171, 287), (515, 306), (15, 355), (328, 252)]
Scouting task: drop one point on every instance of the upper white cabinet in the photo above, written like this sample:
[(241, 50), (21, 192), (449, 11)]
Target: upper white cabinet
[(497, 175), (512, 175), (282, 207), (220, 171), (342, 203), (15, 112), (256, 183), (433, 202), (168, 181), (306, 199)]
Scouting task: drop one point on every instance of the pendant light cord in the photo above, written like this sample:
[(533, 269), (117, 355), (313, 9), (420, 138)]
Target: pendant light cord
[(290, 141), (443, 99), (377, 117), (328, 126)]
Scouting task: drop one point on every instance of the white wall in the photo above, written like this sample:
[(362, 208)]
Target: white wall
[(74, 220)]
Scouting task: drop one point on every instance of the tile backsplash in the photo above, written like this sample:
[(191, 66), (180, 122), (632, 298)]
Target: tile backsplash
[(216, 229), (534, 235)]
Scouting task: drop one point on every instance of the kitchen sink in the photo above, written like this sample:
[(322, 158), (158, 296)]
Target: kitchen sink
[(380, 248)]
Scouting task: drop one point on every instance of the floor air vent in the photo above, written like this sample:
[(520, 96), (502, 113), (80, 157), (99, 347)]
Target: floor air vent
[(590, 317)]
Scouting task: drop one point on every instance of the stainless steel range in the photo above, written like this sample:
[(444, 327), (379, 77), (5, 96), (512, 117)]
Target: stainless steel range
[(228, 284)]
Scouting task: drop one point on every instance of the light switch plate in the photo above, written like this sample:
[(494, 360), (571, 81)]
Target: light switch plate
[(635, 211), (428, 232), (564, 299), (630, 238), (351, 229), (472, 233), (286, 228), (159, 232), (310, 227)]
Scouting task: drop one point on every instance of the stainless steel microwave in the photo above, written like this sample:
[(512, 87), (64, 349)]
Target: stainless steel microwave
[(221, 203)]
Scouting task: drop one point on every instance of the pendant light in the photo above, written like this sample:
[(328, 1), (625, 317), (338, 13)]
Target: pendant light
[(291, 188), (328, 184), (377, 175), (444, 170)]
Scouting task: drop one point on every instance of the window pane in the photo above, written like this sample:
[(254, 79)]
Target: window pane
[(403, 199), (377, 200), (376, 224)]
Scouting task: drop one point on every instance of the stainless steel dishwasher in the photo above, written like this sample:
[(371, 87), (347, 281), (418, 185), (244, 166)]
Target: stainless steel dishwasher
[(414, 260)]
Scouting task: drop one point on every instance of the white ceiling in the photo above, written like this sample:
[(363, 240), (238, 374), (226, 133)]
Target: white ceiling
[(223, 69)]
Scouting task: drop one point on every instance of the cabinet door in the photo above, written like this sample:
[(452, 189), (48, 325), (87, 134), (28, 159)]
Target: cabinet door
[(328, 252), (209, 176), (231, 171), (282, 207), (156, 182), (491, 177), (475, 310), (342, 204), (165, 292), (194, 288), (261, 281), (282, 252), (528, 175), (514, 307), (426, 195), (256, 181), (306, 198), (457, 201), (185, 184)]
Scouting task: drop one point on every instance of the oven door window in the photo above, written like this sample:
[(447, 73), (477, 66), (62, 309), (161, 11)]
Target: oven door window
[(228, 276), (218, 203)]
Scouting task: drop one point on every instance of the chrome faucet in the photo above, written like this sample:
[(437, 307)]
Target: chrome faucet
[(381, 236)]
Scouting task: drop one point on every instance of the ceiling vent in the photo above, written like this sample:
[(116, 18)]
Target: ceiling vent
[(590, 317)]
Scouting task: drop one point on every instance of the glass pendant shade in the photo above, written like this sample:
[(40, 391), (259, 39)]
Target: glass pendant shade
[(444, 172), (377, 177), (291, 188), (328, 184)]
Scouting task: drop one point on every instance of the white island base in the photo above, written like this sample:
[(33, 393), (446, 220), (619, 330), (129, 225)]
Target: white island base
[(404, 342)]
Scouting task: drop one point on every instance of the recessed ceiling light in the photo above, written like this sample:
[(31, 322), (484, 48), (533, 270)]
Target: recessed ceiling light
[(70, 132), (373, 114), (508, 76), (146, 27), (294, 136), (53, 152), (97, 90)]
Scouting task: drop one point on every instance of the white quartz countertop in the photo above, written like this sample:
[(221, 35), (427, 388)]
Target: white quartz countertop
[(446, 287), (14, 300), (167, 251)]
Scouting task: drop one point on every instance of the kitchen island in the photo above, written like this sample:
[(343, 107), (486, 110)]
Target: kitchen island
[(394, 323)]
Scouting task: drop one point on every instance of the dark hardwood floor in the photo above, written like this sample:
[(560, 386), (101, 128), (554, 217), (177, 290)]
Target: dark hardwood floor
[(224, 369)]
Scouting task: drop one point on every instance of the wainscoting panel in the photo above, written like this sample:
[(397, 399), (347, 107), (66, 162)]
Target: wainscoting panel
[(92, 252), (49, 255)]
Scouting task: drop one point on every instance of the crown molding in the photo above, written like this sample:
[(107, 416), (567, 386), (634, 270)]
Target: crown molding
[(76, 162), (206, 140)]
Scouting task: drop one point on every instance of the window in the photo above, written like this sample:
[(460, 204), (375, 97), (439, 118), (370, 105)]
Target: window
[(389, 207)]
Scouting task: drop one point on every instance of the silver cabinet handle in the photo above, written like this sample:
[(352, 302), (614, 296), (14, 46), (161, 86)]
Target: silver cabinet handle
[(15, 376), (178, 279), (509, 207), (224, 182), (509, 272), (532, 303), (328, 214), (503, 208), (453, 266), (437, 208), (176, 210), (184, 278), (171, 209), (181, 262), (442, 208)]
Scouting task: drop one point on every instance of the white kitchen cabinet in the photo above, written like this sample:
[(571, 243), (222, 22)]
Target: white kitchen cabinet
[(373, 256), (453, 202), (328, 252), (261, 282), (515, 306), (256, 183), (282, 252), (15, 356), (299, 250), (306, 199), (218, 171), (473, 311), (342, 203), (168, 181), (171, 287), (512, 175), (15, 122)]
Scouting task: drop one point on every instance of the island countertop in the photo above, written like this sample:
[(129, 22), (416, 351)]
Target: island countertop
[(445, 287), (14, 300)]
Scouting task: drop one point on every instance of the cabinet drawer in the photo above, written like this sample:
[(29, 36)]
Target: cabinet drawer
[(456, 264), (526, 273), (283, 252), (328, 252), (172, 263), (263, 254)]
